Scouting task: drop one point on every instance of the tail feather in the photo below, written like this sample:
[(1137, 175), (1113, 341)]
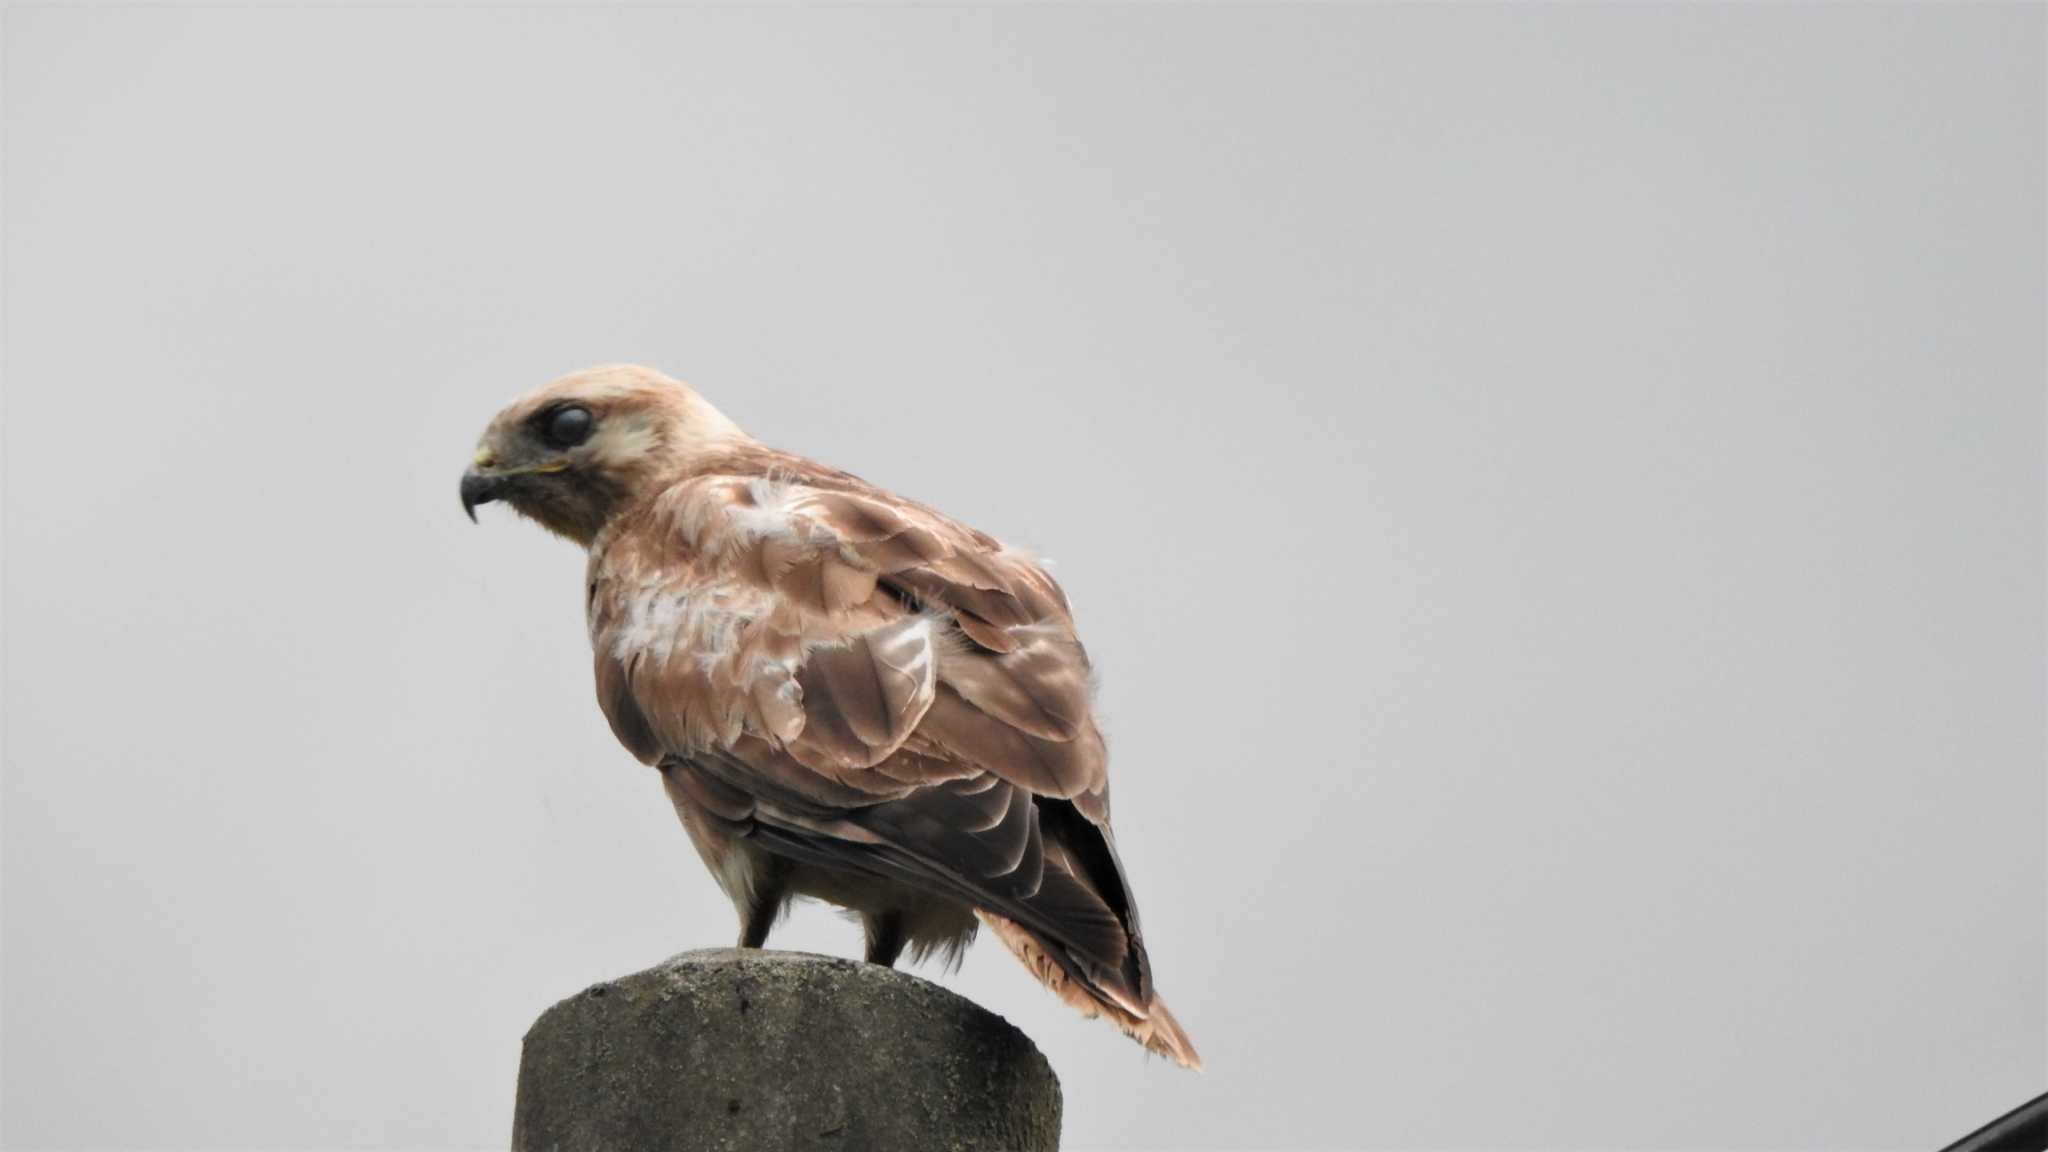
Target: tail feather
[(1149, 1023)]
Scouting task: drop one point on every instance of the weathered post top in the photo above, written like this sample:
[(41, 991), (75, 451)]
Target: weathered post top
[(727, 1049)]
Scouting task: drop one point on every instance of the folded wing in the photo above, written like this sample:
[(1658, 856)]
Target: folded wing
[(855, 680)]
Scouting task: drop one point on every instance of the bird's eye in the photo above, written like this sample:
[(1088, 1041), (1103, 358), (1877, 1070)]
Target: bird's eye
[(568, 427)]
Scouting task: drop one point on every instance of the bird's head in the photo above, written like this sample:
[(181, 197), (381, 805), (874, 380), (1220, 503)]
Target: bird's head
[(572, 453)]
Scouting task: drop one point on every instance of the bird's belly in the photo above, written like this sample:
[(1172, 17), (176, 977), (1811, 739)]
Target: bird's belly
[(931, 924), (743, 867)]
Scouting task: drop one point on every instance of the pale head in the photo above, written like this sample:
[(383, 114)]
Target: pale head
[(572, 453)]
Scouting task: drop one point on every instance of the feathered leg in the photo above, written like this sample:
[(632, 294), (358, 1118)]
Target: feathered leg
[(885, 937), (764, 904)]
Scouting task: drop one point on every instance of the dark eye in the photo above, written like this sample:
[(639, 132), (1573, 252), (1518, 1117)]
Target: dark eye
[(568, 427)]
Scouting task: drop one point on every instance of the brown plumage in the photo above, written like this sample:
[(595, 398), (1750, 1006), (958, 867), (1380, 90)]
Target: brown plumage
[(848, 695)]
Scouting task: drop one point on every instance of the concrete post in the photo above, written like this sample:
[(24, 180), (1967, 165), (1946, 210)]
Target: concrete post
[(729, 1049)]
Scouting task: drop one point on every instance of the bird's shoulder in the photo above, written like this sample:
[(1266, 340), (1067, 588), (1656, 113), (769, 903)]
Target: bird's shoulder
[(768, 595), (833, 548)]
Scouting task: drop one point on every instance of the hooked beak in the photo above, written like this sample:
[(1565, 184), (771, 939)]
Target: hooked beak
[(479, 488), (486, 480)]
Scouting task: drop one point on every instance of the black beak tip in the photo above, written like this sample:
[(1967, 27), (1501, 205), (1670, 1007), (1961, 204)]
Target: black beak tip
[(476, 490)]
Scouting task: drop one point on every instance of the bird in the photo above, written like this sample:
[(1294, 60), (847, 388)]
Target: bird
[(848, 696)]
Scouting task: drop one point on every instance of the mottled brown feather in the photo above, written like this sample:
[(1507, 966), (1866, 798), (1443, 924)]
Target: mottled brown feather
[(852, 681)]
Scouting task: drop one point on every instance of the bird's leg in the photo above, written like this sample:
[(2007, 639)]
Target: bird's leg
[(764, 904), (885, 937)]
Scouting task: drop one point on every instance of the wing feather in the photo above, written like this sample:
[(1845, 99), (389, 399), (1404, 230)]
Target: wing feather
[(1042, 687), (864, 697), (857, 681)]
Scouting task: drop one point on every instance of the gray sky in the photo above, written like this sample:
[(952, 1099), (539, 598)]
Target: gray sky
[(1555, 496)]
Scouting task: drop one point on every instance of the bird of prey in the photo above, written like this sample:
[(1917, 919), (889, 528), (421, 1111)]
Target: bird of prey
[(848, 696)]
